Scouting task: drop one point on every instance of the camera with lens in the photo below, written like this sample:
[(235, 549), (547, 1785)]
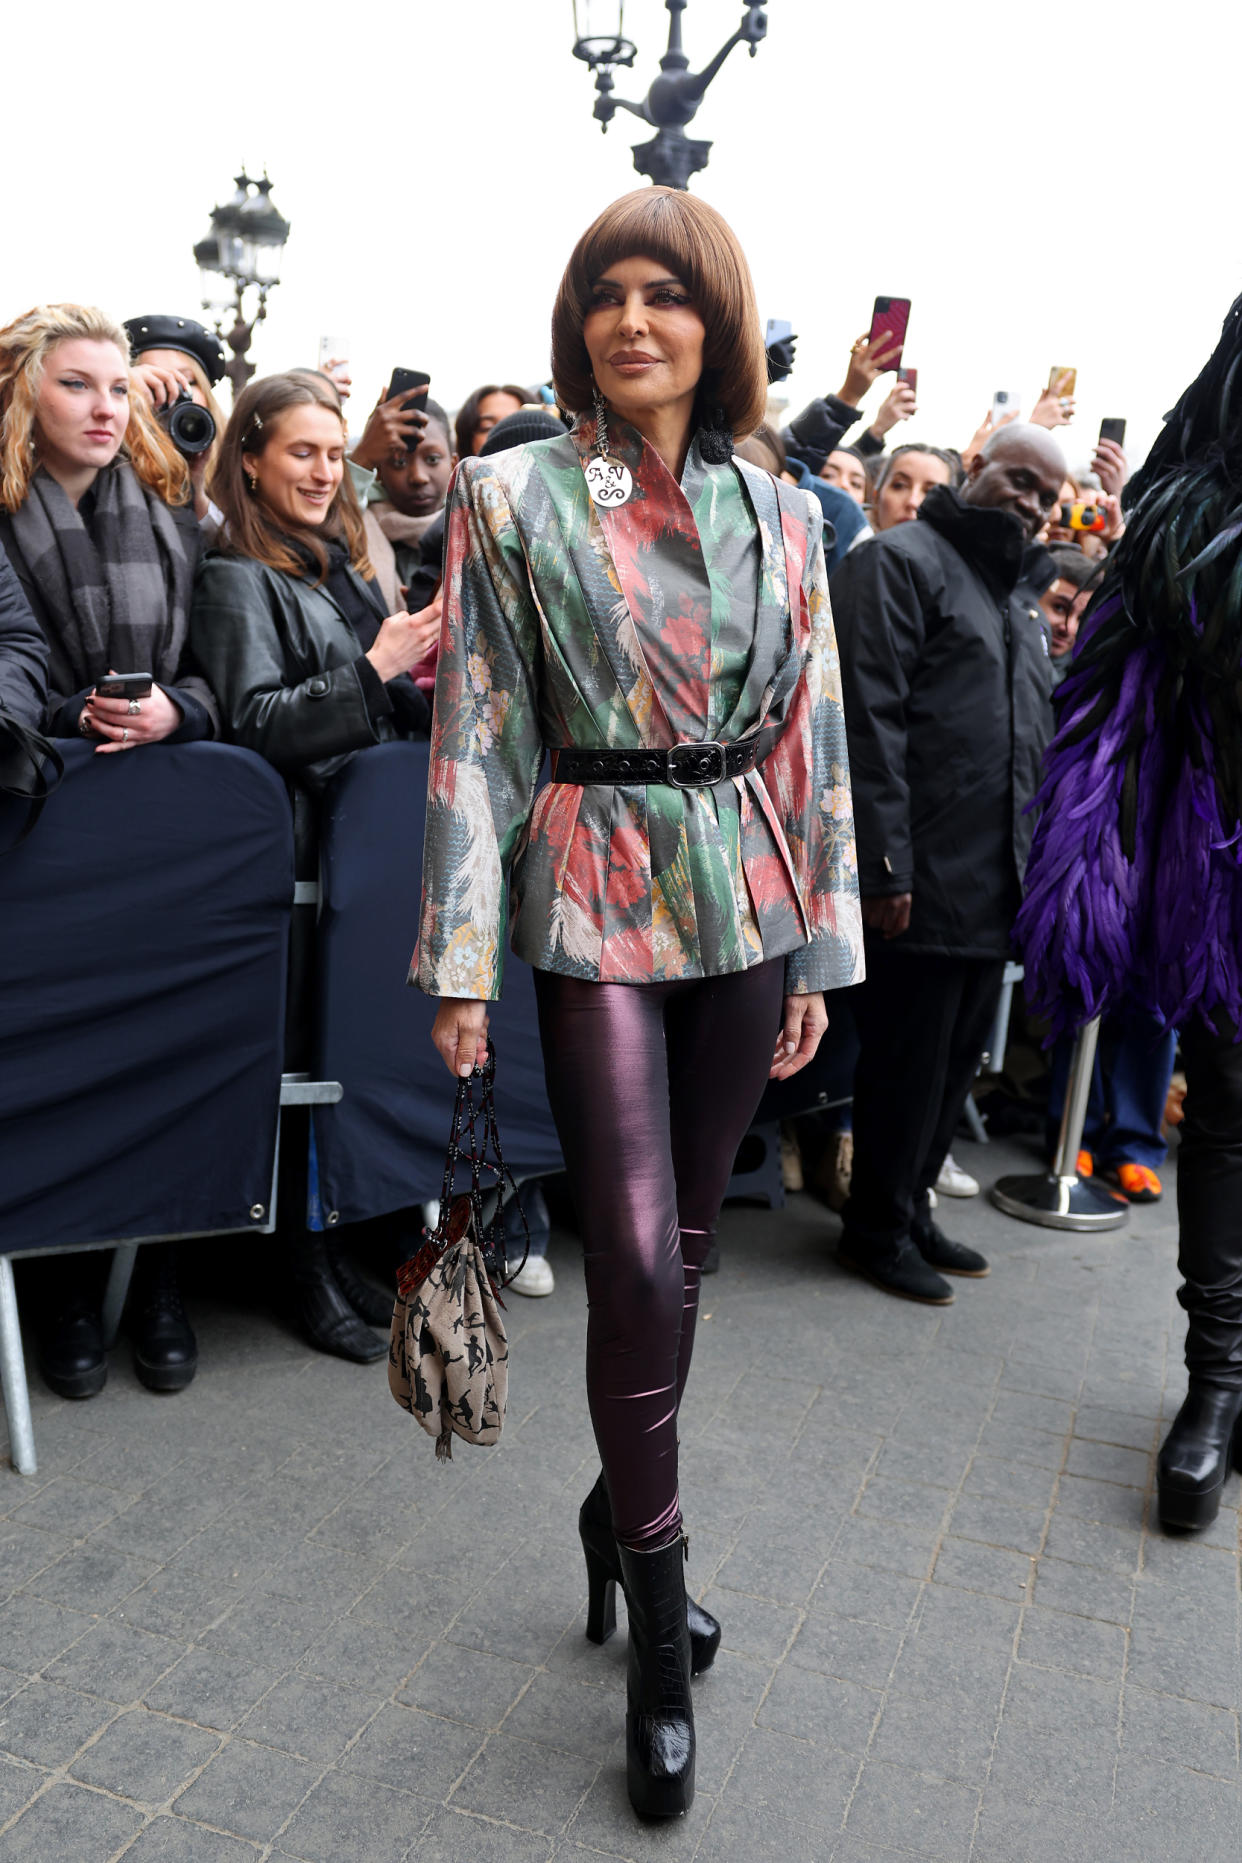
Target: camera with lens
[(189, 426)]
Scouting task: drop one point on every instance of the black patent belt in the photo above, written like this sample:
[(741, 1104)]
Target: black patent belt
[(685, 766)]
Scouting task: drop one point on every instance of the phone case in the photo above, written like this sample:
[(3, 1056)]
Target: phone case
[(890, 317), (1062, 383)]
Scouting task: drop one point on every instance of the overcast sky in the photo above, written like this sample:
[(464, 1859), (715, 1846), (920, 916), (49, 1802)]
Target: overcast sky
[(1049, 185)]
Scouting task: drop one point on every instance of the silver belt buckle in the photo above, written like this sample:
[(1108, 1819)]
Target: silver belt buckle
[(706, 764)]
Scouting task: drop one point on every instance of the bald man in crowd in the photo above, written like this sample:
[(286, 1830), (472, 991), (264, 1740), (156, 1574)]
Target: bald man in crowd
[(946, 681)]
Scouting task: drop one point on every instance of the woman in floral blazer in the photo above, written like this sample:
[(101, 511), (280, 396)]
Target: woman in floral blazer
[(653, 612)]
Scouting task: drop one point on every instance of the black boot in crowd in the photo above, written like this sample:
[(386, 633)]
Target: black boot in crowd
[(322, 1310), (165, 1349), (603, 1562), (71, 1348), (1205, 1440), (368, 1301), (659, 1715)]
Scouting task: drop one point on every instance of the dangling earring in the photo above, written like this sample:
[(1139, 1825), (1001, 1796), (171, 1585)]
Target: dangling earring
[(609, 480), (254, 482), (716, 438)]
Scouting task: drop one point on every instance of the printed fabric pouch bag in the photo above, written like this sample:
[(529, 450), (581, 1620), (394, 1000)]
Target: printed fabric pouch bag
[(448, 1357)]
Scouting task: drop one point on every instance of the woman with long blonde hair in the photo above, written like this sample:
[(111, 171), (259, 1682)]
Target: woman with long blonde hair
[(94, 519)]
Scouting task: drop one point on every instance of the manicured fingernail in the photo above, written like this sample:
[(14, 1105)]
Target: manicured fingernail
[(466, 1069), (791, 1047)]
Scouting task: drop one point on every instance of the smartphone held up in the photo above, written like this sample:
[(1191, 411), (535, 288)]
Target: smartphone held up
[(890, 318)]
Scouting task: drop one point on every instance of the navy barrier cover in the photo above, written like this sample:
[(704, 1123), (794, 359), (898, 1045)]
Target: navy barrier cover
[(143, 956), (382, 1147)]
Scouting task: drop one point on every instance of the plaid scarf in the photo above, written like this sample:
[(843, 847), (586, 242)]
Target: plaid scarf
[(119, 593)]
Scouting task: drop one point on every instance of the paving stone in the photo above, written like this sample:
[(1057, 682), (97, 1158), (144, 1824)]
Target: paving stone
[(210, 1687), (525, 1613), (995, 1523), (1054, 1767), (1024, 1830), (1014, 1442), (248, 1791), (178, 1603), (761, 1836), (857, 1652), (991, 1569), (873, 1596), (1200, 1668), (727, 1699), (18, 1785), (583, 1720), (91, 1572), (333, 1580), (888, 1545), (25, 1551), (931, 1817), (1083, 1591), (1155, 1801), (949, 1735), (70, 1822), (70, 1505), (451, 1836), (1053, 1640), (46, 1723), (836, 1713), (34, 1632), (1108, 1462), (771, 1564), (1052, 1414), (537, 1788), (778, 1771), (1088, 1542), (351, 1817), (116, 1660), (1184, 1733), (1096, 1423), (413, 1751), (273, 1632), (915, 1504), (367, 1656), (1020, 1484), (145, 1756), (173, 1840), (315, 1720), (752, 1626), (1048, 1701), (464, 1684)]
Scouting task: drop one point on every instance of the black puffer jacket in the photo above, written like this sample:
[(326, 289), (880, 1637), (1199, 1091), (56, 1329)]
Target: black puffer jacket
[(946, 683)]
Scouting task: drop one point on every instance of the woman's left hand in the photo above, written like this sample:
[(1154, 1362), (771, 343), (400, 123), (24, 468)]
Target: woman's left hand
[(805, 1022), (157, 716), (161, 386)]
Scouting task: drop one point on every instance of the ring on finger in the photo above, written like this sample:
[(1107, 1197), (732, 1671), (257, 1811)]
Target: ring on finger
[(125, 734), (134, 708)]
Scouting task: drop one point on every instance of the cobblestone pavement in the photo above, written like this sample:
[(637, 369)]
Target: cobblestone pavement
[(259, 1621)]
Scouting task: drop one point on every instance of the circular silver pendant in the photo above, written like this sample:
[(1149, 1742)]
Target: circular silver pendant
[(609, 482)]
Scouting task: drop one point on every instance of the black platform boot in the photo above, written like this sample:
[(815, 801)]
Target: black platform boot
[(165, 1349), (659, 1715), (1196, 1454), (603, 1563), (322, 1310), (71, 1349)]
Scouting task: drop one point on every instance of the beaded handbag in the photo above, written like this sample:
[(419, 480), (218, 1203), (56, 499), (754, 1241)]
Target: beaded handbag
[(448, 1357)]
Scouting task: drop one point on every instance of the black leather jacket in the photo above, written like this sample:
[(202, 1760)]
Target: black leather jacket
[(23, 652), (289, 671)]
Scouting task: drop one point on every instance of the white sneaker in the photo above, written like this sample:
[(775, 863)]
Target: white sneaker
[(955, 1182), (536, 1278)]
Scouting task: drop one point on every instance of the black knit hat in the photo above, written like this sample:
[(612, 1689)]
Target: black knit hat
[(180, 333), (520, 429)]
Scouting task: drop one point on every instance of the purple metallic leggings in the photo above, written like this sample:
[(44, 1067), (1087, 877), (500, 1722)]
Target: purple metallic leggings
[(652, 1087)]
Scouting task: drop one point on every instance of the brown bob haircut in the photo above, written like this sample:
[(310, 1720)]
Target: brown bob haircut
[(699, 247), (251, 529)]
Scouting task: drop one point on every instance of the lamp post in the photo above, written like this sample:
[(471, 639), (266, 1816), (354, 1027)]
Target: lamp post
[(244, 246), (671, 157)]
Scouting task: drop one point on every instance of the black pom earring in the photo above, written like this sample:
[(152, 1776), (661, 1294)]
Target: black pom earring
[(716, 438)]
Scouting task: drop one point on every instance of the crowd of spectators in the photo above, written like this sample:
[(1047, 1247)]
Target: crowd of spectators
[(279, 579)]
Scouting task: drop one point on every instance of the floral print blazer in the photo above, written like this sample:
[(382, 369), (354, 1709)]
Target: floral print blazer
[(694, 611)]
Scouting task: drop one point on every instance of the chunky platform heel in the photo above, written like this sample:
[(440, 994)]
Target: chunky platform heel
[(600, 1549), (1206, 1437), (601, 1596)]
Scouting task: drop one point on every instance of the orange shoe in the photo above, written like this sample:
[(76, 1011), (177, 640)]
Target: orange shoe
[(1136, 1182), (1085, 1164)]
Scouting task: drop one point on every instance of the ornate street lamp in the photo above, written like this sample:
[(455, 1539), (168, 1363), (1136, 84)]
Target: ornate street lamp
[(670, 158), (244, 246)]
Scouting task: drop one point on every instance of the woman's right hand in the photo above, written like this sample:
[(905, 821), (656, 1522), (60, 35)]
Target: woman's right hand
[(460, 1034), (404, 640)]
